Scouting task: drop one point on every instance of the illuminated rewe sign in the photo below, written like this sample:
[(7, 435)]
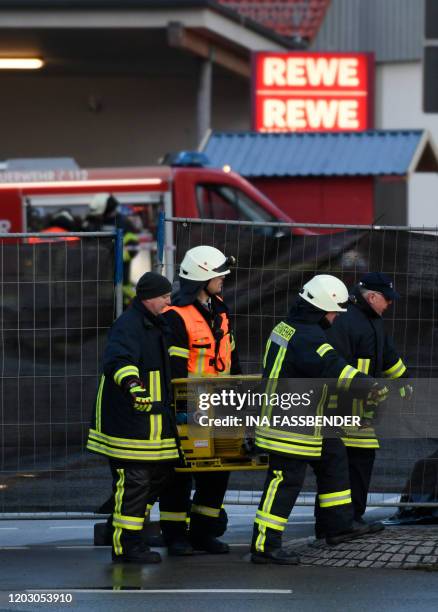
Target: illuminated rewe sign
[(305, 92)]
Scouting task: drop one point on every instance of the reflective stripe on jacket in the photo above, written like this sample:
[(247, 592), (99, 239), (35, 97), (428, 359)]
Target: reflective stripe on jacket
[(298, 348), (136, 348), (359, 336)]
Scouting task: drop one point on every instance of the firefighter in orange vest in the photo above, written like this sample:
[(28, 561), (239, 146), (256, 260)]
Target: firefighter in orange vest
[(61, 222), (201, 344)]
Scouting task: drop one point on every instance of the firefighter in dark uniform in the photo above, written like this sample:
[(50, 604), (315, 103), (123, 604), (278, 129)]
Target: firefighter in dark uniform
[(359, 336), (202, 344), (298, 348), (103, 216), (133, 423)]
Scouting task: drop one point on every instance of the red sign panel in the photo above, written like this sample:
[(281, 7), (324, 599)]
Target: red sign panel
[(312, 92)]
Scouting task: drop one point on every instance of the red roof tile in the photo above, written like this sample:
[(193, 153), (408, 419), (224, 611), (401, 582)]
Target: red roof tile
[(291, 18)]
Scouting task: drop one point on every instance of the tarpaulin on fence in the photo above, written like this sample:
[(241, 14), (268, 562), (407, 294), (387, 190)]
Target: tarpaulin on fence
[(273, 263), (271, 270)]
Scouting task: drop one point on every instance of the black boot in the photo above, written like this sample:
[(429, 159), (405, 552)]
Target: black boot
[(180, 547), (374, 526), (319, 534), (136, 552), (357, 530), (140, 556), (280, 556), (103, 535), (157, 541), (209, 544)]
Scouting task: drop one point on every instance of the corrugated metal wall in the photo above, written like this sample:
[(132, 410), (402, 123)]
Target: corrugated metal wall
[(393, 29), (294, 154)]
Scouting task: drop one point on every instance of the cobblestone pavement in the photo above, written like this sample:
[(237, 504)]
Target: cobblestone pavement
[(395, 547)]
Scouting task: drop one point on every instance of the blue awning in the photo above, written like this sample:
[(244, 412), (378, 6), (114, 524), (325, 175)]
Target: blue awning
[(376, 152)]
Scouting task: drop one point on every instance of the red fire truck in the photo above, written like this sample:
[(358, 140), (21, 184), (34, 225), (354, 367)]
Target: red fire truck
[(186, 188)]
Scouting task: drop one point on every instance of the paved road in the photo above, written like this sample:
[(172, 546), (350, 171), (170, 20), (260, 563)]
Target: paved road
[(53, 555)]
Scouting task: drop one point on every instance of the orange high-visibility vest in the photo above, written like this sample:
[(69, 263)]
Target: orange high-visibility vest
[(53, 230), (202, 344)]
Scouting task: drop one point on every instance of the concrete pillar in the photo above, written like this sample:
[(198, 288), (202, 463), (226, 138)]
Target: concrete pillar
[(204, 96)]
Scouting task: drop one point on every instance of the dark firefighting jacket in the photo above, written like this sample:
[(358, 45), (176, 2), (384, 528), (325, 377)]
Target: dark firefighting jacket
[(360, 337), (297, 349), (136, 348)]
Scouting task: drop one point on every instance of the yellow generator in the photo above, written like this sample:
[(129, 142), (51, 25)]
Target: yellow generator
[(205, 446)]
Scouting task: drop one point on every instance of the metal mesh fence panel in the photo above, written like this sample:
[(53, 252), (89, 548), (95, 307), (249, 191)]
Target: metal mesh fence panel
[(56, 304), (273, 263)]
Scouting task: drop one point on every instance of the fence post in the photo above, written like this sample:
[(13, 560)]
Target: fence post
[(169, 267), (160, 241), (118, 271)]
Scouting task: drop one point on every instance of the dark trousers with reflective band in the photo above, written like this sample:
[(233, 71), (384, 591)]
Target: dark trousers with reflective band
[(360, 463), (207, 517), (283, 484), (135, 484)]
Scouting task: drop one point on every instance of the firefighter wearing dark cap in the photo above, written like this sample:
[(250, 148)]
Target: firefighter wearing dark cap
[(202, 344), (133, 423), (298, 349), (360, 337)]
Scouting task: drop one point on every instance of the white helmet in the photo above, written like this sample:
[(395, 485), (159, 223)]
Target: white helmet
[(326, 292), (202, 263), (98, 204)]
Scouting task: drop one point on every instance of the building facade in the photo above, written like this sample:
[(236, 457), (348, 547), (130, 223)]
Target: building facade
[(124, 81), (394, 31)]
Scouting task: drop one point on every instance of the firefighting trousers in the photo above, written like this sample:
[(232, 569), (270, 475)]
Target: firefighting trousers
[(360, 464), (204, 514), (283, 484), (135, 483)]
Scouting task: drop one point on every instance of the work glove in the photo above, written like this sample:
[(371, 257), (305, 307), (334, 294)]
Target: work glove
[(376, 396), (406, 392), (140, 398)]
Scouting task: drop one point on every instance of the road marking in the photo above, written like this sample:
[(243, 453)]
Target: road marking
[(8, 527), (109, 546), (81, 546), (167, 591), (71, 527), (300, 515), (236, 524), (45, 545)]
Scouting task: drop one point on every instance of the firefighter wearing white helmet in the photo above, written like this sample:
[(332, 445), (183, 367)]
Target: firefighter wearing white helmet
[(203, 263), (201, 344), (326, 292), (298, 349), (104, 215)]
